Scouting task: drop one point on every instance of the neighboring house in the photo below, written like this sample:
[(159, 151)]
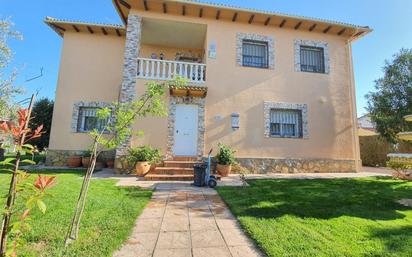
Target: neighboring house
[(366, 127), (277, 88)]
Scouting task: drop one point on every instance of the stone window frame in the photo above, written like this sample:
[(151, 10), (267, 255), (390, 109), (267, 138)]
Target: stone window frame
[(76, 112), (269, 40), (268, 106), (312, 43), (175, 100)]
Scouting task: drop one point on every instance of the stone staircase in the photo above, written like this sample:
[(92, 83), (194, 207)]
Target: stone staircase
[(178, 169)]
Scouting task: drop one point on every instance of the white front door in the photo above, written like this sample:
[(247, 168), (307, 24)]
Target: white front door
[(186, 125)]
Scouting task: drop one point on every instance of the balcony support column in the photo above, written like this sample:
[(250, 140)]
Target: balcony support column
[(131, 53)]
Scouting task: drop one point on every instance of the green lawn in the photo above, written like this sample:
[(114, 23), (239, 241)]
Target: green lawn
[(108, 218), (341, 217)]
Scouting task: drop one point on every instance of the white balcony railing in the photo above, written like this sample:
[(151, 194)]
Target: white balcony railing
[(167, 70)]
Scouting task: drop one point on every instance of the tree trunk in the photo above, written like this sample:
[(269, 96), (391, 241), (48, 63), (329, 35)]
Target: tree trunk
[(8, 210)]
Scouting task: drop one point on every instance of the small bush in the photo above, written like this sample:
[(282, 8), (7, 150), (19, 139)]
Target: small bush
[(143, 154), (226, 155), (374, 150), (402, 168)]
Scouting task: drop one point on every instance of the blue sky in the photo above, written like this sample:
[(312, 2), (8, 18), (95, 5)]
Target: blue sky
[(41, 46)]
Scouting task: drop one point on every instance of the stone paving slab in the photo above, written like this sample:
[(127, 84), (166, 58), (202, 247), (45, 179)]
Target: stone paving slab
[(185, 221), (234, 179)]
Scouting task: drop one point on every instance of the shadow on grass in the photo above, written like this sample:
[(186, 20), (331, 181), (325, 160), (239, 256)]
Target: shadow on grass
[(373, 198), (79, 172), (396, 240)]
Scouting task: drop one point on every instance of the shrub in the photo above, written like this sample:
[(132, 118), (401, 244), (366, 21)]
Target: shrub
[(402, 168), (226, 155), (143, 154), (374, 150)]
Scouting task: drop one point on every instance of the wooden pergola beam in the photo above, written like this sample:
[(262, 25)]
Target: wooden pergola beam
[(90, 29), (358, 34), (125, 4), (313, 27), (183, 10), (327, 29), (282, 24), (58, 27), (201, 12), (76, 28), (118, 33), (164, 8), (267, 21), (234, 17), (146, 8), (341, 31), (251, 18), (217, 14), (104, 31), (298, 25)]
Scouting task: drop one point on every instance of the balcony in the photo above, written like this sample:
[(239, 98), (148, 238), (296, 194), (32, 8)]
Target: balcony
[(171, 48), (154, 69)]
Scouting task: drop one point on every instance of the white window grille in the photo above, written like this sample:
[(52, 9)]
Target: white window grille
[(89, 121), (312, 59), (286, 123), (255, 54)]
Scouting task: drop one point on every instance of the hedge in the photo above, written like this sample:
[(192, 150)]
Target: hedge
[(374, 150)]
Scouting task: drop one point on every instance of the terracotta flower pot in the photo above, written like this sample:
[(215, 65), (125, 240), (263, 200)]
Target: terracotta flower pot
[(223, 170), (99, 165), (86, 162), (142, 168), (74, 161), (110, 164)]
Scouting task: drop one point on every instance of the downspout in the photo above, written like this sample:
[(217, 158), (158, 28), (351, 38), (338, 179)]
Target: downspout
[(352, 93)]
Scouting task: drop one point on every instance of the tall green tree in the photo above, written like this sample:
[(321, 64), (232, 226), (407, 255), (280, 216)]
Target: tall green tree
[(392, 99), (42, 115)]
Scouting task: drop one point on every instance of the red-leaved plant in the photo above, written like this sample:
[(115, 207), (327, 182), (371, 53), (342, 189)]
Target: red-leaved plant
[(31, 194)]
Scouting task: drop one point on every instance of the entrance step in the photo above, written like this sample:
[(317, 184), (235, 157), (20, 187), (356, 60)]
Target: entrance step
[(178, 169), (182, 164), (185, 158), (173, 171), (163, 177)]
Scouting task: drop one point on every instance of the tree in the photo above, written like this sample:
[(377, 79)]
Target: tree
[(392, 99), (7, 88), (120, 119), (42, 114), (15, 216)]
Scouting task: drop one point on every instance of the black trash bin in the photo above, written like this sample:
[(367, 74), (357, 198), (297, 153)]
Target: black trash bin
[(199, 175)]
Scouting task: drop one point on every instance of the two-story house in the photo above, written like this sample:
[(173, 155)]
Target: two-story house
[(277, 88)]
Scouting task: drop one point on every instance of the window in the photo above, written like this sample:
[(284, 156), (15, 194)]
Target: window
[(88, 120), (312, 59), (255, 54), (286, 123)]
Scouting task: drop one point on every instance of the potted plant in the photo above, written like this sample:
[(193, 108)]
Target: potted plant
[(225, 158), (142, 158), (74, 161), (86, 159), (110, 163)]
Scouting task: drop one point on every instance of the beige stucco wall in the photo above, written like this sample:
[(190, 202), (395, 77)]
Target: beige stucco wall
[(231, 88), (243, 90), (90, 70), (169, 52)]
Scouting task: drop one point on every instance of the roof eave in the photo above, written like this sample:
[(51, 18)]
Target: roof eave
[(54, 24)]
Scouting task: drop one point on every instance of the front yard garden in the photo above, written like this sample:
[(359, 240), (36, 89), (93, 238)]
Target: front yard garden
[(108, 219), (340, 217)]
